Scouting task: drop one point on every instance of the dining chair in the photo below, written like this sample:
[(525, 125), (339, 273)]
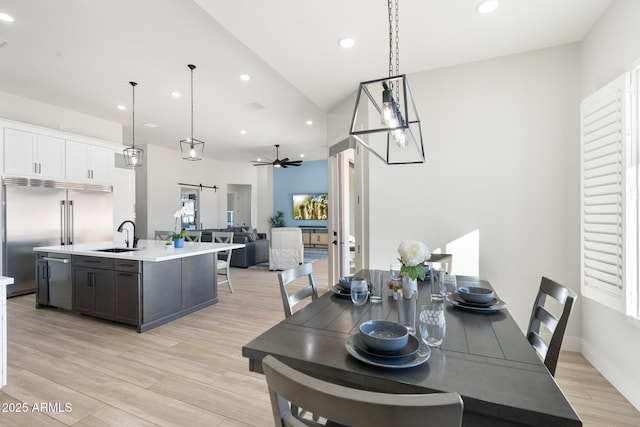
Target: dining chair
[(223, 265), (193, 236), (353, 407), (554, 325), (162, 234), (288, 276)]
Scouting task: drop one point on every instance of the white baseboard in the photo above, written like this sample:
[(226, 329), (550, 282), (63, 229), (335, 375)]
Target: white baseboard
[(628, 389)]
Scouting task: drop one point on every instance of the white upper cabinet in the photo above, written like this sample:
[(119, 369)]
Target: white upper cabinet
[(32, 155), (89, 163)]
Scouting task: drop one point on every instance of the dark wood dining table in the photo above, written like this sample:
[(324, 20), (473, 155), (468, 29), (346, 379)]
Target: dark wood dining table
[(484, 357)]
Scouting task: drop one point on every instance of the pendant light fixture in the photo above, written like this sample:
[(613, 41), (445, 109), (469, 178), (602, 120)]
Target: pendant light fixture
[(396, 137), (132, 155), (191, 148)]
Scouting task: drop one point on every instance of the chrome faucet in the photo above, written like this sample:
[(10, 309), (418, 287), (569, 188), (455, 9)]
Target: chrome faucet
[(135, 238)]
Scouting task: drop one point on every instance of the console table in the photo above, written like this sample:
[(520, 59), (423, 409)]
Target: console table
[(315, 235)]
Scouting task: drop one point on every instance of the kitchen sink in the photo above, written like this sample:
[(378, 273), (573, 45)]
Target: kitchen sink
[(117, 250)]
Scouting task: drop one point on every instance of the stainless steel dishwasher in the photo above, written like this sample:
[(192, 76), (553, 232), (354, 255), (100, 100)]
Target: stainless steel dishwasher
[(53, 283)]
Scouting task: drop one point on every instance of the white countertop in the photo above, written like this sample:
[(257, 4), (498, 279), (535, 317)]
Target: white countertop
[(6, 281), (148, 250)]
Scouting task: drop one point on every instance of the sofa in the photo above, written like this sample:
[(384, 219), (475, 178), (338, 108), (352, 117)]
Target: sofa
[(256, 248)]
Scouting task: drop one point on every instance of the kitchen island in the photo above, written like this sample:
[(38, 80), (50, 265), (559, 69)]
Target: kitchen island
[(146, 287)]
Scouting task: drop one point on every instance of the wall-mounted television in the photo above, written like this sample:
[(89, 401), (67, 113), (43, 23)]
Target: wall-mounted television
[(310, 206)]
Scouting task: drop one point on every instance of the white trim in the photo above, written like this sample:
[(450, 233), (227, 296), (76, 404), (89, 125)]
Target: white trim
[(613, 374)]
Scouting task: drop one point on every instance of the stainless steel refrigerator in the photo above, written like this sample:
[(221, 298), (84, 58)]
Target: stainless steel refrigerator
[(45, 213)]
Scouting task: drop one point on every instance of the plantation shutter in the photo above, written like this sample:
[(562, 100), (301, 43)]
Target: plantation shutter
[(608, 187)]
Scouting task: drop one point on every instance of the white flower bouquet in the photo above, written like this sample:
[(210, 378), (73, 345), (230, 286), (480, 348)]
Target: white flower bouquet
[(413, 254)]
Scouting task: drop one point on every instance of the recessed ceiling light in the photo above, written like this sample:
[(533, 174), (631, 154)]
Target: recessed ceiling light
[(488, 6), (176, 94), (301, 155), (309, 122), (259, 159), (121, 107), (245, 77), (243, 132), (346, 43), (150, 125), (6, 18)]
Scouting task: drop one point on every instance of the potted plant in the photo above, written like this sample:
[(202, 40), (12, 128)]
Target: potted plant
[(277, 220), (177, 237)]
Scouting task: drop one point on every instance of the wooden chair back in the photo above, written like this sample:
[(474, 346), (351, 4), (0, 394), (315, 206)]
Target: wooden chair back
[(353, 407), (288, 276), (193, 236), (162, 234), (224, 258), (555, 325)]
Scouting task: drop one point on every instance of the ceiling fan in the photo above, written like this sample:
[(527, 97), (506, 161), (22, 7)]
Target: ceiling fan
[(277, 163)]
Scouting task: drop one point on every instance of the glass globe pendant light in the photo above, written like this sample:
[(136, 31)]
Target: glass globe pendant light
[(191, 148), (132, 155)]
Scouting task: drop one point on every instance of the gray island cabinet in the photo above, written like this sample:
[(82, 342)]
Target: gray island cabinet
[(146, 287)]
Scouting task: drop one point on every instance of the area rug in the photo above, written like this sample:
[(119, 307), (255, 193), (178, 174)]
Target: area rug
[(310, 255)]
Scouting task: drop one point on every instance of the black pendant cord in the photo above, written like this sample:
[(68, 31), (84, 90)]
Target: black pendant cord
[(191, 67), (133, 114)]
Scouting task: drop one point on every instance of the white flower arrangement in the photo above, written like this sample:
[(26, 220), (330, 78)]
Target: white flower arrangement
[(413, 254)]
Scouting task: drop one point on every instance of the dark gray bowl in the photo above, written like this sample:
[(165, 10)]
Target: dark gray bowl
[(383, 336), (476, 294), (345, 282)]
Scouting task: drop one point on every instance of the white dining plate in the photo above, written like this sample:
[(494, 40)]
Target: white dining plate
[(455, 300), (398, 363)]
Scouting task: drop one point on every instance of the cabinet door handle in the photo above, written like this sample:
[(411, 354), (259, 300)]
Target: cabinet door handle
[(35, 167), (89, 173), (126, 274), (62, 260), (39, 167)]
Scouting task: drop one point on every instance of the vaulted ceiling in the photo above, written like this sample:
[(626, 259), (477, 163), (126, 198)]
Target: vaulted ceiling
[(81, 54)]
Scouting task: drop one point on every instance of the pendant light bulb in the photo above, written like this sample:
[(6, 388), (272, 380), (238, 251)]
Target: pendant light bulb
[(192, 151), (387, 105)]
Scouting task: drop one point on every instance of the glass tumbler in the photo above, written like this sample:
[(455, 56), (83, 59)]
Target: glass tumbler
[(375, 282), (432, 324), (359, 292)]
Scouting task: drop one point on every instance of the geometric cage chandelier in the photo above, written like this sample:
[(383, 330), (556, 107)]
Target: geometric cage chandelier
[(191, 148), (385, 119), (133, 156)]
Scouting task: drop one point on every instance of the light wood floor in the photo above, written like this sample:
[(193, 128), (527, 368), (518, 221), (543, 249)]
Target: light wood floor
[(189, 372)]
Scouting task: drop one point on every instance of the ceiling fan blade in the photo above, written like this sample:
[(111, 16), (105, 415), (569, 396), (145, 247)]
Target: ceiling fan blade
[(285, 160), (294, 163)]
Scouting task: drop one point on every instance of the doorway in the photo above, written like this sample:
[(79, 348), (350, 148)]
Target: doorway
[(238, 205), (347, 221)]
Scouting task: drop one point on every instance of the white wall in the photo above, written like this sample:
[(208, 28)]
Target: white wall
[(501, 139), (38, 113), (610, 342), (158, 191)]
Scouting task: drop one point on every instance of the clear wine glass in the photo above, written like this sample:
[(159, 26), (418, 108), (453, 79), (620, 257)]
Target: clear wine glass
[(359, 291)]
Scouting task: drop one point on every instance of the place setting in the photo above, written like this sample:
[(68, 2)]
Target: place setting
[(387, 344), (475, 298), (343, 287)]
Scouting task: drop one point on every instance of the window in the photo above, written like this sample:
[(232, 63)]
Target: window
[(609, 195)]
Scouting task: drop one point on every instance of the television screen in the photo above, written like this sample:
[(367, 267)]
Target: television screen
[(310, 206)]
